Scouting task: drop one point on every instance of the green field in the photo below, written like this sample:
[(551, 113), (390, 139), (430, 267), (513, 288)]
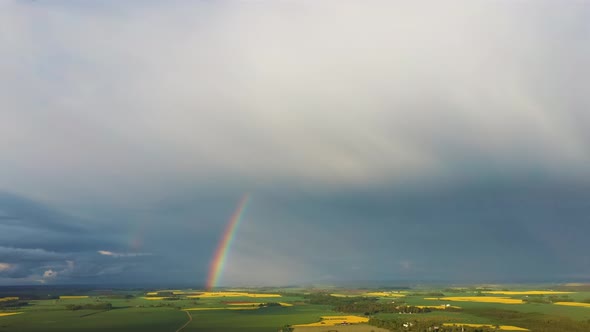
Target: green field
[(130, 311)]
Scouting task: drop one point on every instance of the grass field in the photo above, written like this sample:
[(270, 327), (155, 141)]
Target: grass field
[(346, 328), (236, 310)]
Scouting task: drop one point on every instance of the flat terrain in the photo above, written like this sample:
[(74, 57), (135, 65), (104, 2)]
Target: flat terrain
[(261, 311), (347, 328)]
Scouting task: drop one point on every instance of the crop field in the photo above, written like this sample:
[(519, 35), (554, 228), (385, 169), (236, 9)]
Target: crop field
[(500, 327), (341, 328), (336, 320), (574, 304), (304, 310), (3, 314), (485, 299), (533, 292)]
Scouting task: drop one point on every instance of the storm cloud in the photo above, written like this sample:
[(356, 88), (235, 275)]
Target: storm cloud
[(434, 137)]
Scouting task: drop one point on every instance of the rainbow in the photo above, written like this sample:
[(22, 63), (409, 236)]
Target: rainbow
[(220, 255)]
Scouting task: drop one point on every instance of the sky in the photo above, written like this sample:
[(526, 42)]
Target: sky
[(377, 140)]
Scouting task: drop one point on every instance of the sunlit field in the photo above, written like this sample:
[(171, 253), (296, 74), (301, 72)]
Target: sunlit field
[(483, 299), (301, 309), (532, 292), (574, 304), (232, 294), (4, 314), (336, 320), (500, 327)]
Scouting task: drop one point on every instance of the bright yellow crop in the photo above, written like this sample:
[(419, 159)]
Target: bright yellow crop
[(533, 292), (486, 299), (336, 320), (12, 298), (574, 304), (502, 327), (2, 314)]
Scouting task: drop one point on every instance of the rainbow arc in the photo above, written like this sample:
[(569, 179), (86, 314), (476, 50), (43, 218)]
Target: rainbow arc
[(220, 255)]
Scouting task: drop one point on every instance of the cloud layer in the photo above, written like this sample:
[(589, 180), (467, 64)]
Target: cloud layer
[(132, 129)]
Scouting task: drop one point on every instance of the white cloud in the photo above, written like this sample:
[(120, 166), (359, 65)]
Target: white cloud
[(5, 267), (50, 274), (127, 254)]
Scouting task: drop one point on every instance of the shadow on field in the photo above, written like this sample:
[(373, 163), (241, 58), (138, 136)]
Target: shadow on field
[(98, 312)]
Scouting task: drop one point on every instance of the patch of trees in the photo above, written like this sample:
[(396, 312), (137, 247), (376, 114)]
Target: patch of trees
[(118, 296), (547, 300), (423, 325), (291, 294), (359, 304), (90, 306), (453, 290), (16, 303), (324, 298), (374, 308), (432, 294), (162, 304), (270, 304)]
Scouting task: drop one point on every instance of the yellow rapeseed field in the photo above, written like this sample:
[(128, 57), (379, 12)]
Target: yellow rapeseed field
[(73, 297), (153, 298), (533, 292), (2, 314), (285, 304), (336, 320), (502, 327), (485, 299), (232, 294), (574, 304), (11, 298), (151, 293)]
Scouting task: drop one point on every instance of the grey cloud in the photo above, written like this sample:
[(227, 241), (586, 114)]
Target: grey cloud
[(406, 91), (361, 129), (13, 255)]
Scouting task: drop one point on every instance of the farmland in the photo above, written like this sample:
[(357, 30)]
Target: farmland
[(308, 309)]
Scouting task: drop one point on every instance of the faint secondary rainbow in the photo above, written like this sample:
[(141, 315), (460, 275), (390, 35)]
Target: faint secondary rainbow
[(220, 255)]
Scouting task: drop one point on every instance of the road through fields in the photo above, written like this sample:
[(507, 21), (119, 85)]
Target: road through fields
[(190, 319)]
